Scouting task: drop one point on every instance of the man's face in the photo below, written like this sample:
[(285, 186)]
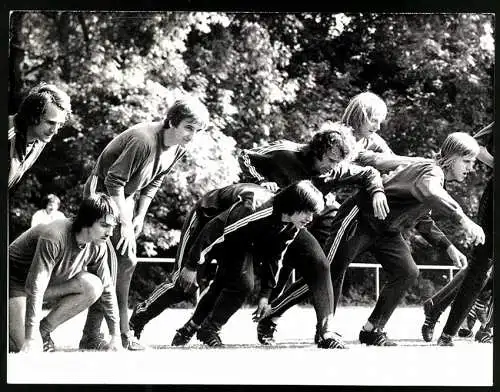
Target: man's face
[(329, 161), (102, 230), (369, 126), (49, 125), (299, 219), (460, 167), (52, 206), (185, 131)]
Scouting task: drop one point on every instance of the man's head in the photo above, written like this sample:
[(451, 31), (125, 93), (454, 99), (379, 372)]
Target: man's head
[(42, 113), (364, 113), (52, 203), (96, 218), (298, 202), (331, 145), (457, 156), (187, 116)]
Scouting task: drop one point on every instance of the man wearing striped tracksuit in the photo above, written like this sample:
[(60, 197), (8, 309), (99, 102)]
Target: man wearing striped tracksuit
[(243, 237), (282, 163), (412, 192), (174, 291)]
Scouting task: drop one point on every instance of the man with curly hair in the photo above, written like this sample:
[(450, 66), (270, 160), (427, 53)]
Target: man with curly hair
[(283, 163)]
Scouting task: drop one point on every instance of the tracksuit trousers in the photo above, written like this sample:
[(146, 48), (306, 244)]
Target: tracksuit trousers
[(479, 265), (169, 293), (349, 239), (306, 256)]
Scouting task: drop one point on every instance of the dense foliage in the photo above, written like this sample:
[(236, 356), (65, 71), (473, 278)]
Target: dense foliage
[(263, 77)]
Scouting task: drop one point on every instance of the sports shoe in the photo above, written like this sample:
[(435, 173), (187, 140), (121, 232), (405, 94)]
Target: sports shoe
[(431, 319), (130, 342), (265, 332), (465, 333), (48, 344), (484, 335), (135, 325), (445, 340), (329, 340), (375, 337), (93, 343), (184, 334), (209, 337)]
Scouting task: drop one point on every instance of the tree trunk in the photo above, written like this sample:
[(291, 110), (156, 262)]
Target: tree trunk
[(16, 58), (63, 27)]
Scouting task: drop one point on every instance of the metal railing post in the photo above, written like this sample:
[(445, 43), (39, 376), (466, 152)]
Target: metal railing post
[(377, 267)]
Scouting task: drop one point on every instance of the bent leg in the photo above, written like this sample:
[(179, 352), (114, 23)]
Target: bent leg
[(17, 313), (72, 297), (395, 256), (444, 297)]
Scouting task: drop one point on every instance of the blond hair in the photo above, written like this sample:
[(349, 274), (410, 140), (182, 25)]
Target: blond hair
[(364, 108), (457, 144)]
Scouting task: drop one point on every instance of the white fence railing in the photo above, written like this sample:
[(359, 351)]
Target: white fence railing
[(377, 267)]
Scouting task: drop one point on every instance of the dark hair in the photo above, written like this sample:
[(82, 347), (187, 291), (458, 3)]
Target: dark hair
[(332, 135), (34, 105), (93, 208), (187, 108), (300, 196)]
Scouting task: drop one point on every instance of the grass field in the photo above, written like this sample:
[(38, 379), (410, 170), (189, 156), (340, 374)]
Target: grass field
[(294, 361)]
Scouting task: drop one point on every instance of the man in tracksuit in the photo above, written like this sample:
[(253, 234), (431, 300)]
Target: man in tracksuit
[(186, 273), (481, 263), (412, 192), (285, 163), (242, 237), (131, 169)]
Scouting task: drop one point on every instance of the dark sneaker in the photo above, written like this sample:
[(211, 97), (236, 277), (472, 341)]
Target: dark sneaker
[(48, 344), (209, 337), (135, 325), (93, 343), (330, 340), (445, 340), (265, 332), (482, 336), (130, 342), (431, 318), (375, 337), (465, 333), (184, 335)]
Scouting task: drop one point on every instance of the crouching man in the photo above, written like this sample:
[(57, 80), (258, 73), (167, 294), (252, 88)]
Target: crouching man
[(240, 238), (64, 262)]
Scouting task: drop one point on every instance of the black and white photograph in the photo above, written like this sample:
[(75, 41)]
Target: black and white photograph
[(250, 198)]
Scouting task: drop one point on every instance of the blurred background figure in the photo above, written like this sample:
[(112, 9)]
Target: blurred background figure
[(50, 212)]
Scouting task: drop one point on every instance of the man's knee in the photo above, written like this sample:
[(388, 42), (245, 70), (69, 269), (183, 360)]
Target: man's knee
[(127, 264), (410, 274), (90, 284)]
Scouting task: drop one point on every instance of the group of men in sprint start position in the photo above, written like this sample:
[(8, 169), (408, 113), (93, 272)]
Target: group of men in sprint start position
[(279, 218)]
